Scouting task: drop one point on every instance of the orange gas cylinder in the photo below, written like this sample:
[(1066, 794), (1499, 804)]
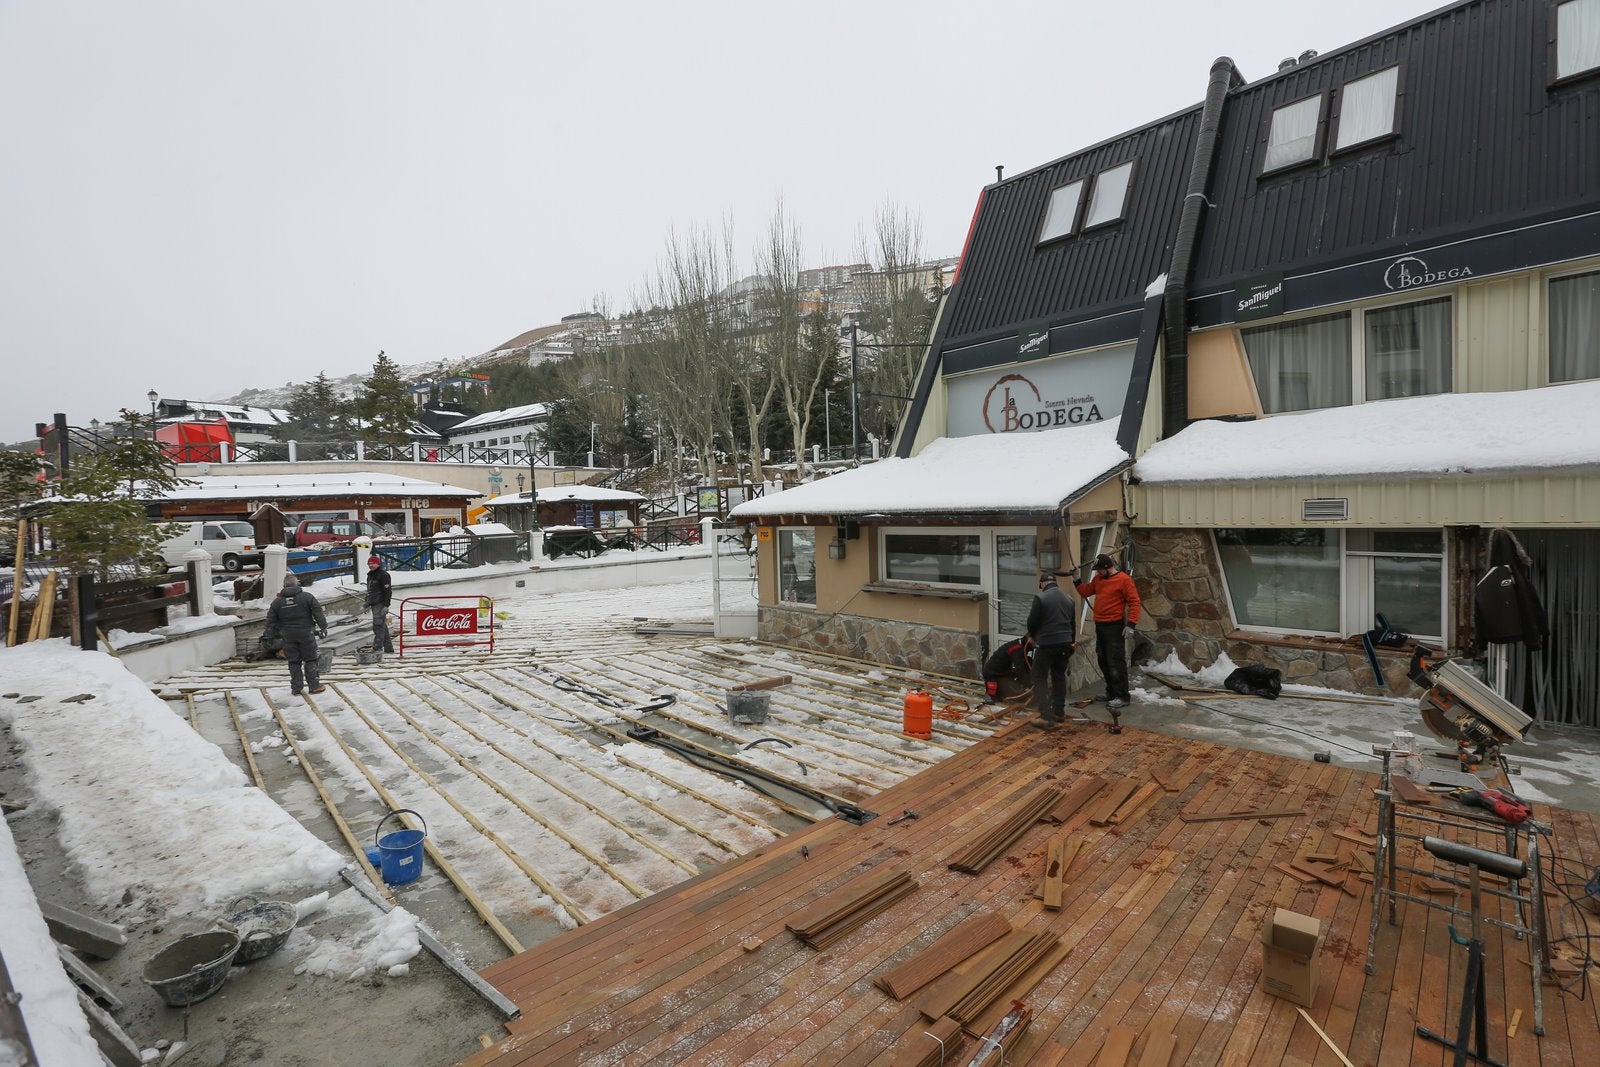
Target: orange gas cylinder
[(918, 718)]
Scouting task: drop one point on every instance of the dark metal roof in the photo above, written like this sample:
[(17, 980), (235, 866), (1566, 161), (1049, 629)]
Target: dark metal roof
[(1008, 280), (1483, 142)]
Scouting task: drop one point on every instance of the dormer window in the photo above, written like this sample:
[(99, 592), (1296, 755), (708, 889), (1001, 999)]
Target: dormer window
[(1061, 214), (1367, 109), (1577, 38), (1110, 196), (1292, 137)]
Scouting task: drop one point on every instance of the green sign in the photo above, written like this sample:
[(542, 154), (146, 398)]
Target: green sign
[(1258, 298), (1033, 341)]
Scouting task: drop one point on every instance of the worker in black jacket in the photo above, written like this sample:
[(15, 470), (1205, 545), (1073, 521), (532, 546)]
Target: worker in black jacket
[(378, 596), (1052, 627), (296, 618)]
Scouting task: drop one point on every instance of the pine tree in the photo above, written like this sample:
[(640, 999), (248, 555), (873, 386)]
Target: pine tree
[(384, 403), (318, 413)]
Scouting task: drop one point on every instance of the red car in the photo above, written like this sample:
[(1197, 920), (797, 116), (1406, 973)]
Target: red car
[(333, 531)]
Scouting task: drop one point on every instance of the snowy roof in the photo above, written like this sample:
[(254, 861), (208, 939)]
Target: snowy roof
[(525, 413), (593, 494), (303, 485), (1455, 433), (988, 472), (218, 409)]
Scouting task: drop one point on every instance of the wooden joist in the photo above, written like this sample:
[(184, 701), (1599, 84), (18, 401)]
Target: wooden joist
[(958, 943), (764, 683), (1002, 833), (841, 911)]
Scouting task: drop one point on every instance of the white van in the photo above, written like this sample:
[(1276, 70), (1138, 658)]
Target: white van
[(231, 542)]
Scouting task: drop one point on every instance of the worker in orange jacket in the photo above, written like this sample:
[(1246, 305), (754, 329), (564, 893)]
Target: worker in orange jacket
[(1116, 612)]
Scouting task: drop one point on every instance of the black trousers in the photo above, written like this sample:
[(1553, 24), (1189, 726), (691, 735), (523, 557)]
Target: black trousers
[(1113, 655), (301, 652), (380, 629), (1050, 680)]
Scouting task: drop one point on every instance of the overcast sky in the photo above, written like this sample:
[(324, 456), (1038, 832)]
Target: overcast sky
[(206, 196)]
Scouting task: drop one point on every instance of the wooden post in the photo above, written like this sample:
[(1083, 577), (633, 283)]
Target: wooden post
[(17, 577)]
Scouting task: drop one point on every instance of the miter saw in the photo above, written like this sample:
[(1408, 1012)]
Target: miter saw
[(1458, 707)]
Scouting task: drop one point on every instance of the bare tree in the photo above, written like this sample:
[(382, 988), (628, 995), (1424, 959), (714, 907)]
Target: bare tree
[(797, 357), (896, 317)]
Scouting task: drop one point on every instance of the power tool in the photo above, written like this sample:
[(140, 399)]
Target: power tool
[(1501, 803)]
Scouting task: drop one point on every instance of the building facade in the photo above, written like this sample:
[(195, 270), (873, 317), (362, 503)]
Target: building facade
[(1346, 319)]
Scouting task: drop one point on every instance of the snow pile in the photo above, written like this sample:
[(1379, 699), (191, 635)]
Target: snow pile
[(1454, 433), (145, 805), (369, 942), (56, 1026), (987, 472)]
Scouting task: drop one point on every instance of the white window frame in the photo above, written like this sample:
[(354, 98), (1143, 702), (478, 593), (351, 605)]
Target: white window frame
[(985, 538), (1358, 346), (1093, 217), (1357, 598), (1585, 14), (1340, 142), (1313, 151), (777, 550), (1049, 232)]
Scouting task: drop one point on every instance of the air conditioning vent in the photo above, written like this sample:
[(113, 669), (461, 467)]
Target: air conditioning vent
[(1325, 509)]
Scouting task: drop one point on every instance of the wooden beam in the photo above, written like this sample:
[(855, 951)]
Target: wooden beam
[(1276, 813)]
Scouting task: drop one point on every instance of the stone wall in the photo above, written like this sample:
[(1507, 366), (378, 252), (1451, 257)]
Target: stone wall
[(922, 648), (1186, 611)]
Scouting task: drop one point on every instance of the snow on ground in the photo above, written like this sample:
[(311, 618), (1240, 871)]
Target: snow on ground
[(369, 944), (146, 806), (56, 1027)]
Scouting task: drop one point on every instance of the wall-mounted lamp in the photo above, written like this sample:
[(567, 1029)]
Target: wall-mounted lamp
[(1049, 556), (836, 548)]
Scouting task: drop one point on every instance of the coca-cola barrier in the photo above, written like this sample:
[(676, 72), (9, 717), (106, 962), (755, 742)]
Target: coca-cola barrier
[(436, 622)]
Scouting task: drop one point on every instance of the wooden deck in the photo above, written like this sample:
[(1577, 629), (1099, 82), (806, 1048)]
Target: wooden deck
[(1163, 918)]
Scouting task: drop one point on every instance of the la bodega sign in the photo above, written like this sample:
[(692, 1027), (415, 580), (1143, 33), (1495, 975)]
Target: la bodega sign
[(1064, 390), (1412, 272)]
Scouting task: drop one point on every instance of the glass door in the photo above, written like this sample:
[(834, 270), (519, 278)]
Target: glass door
[(1014, 582)]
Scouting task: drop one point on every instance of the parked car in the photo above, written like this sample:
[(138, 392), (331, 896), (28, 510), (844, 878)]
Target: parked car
[(333, 531), (232, 544)]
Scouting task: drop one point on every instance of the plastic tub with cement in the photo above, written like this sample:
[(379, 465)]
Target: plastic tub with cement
[(192, 968)]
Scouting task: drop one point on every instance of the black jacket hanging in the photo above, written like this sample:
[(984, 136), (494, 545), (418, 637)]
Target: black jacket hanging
[(1506, 607)]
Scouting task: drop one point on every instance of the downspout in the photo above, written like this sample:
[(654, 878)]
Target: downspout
[(1175, 391)]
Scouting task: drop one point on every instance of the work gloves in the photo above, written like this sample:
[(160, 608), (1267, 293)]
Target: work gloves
[(322, 633), (1127, 632)]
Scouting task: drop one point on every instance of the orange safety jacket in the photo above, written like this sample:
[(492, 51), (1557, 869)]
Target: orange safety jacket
[(1116, 599)]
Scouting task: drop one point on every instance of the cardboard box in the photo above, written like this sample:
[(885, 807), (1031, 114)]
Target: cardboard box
[(1289, 956)]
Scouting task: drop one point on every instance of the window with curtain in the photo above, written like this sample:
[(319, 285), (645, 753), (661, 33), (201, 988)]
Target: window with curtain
[(1301, 365), (1293, 136), (1575, 327), (797, 566), (1110, 195), (1577, 37), (938, 558), (1366, 108), (1408, 350), (1285, 579), (1061, 213)]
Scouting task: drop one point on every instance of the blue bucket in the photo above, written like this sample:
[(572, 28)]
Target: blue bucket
[(400, 852)]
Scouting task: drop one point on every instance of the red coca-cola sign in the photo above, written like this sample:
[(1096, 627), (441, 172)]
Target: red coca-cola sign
[(440, 621)]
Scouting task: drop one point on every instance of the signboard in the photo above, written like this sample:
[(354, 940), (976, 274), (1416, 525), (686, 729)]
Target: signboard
[(1033, 341), (708, 499), (1258, 298), (435, 622), (1067, 390), (446, 621)]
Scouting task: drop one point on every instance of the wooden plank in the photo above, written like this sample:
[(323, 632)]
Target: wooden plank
[(1073, 799), (1058, 860), (1158, 1050), (1409, 791), (958, 943), (1262, 813), (1326, 1040), (1107, 805), (1130, 808), (764, 683), (1118, 1044)]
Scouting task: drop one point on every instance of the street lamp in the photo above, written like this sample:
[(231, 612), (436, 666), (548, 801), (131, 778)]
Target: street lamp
[(528, 443), (154, 398), (94, 427), (827, 422)]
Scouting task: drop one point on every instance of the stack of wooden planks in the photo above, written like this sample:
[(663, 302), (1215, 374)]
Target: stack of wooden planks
[(958, 943), (933, 1046), (1000, 834), (967, 992), (846, 908)]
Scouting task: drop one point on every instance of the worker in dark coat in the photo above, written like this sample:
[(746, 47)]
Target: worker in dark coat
[(379, 588), (296, 618), (1052, 628)]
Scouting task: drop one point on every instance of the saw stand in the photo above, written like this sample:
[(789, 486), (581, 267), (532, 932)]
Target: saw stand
[(1398, 821)]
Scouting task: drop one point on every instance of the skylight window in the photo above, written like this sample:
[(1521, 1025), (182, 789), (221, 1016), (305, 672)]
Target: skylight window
[(1367, 108), (1061, 214), (1293, 136), (1577, 38), (1110, 195)]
